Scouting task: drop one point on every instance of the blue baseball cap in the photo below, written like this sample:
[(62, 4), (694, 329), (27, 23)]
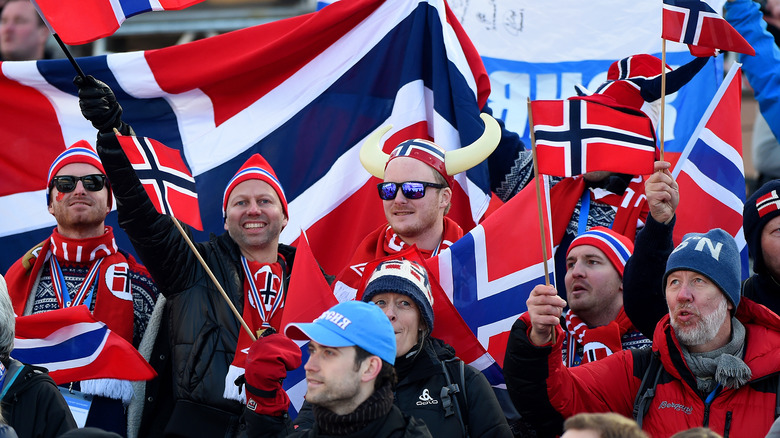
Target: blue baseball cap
[(348, 324)]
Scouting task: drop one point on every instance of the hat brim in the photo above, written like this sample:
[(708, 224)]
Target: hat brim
[(318, 333)]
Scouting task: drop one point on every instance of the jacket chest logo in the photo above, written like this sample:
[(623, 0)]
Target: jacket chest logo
[(426, 399)]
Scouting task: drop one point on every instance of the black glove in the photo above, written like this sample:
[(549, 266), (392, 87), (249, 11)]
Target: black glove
[(98, 104)]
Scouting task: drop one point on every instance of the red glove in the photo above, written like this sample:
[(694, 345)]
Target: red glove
[(266, 366)]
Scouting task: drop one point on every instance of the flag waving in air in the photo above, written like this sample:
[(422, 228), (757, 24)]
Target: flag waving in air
[(695, 23), (710, 171), (577, 136), (84, 21), (165, 177), (74, 346)]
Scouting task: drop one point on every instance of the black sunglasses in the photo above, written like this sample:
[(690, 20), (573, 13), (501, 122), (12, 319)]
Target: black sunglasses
[(410, 189), (67, 183)]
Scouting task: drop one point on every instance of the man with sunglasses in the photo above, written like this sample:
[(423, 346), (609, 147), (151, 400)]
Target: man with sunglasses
[(80, 264), (416, 195)]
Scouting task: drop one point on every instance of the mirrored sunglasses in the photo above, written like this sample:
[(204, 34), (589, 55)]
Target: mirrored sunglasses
[(67, 183), (410, 189)]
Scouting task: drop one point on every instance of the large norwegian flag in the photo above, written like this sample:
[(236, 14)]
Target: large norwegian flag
[(84, 21), (695, 23), (710, 171), (303, 92), (165, 177), (74, 346), (577, 136)]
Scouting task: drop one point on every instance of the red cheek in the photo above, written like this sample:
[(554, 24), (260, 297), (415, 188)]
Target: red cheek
[(60, 195)]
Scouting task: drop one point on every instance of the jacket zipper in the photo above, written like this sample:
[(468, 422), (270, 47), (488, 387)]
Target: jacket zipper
[(727, 426)]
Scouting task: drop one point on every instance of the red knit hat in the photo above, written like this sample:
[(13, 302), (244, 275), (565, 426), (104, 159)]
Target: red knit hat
[(615, 246), (255, 168), (79, 152)]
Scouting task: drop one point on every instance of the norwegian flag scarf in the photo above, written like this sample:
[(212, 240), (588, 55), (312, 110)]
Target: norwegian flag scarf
[(598, 342)]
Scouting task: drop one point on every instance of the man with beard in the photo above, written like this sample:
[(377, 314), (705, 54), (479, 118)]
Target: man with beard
[(81, 264), (350, 377), (714, 360), (596, 325), (418, 177)]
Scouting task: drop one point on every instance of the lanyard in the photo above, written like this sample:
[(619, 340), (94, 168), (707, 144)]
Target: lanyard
[(584, 212), (255, 295), (61, 288)]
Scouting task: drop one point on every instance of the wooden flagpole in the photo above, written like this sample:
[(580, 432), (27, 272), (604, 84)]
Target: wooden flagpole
[(537, 177), (213, 278)]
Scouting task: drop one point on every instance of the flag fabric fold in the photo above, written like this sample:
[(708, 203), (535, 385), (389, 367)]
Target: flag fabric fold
[(695, 23), (577, 136), (74, 346), (83, 21), (165, 177), (710, 172)]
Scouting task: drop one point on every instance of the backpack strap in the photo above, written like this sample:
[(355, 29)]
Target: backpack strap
[(450, 404), (646, 390)]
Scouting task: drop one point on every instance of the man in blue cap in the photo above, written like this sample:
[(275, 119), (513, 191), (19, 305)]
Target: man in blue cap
[(349, 377)]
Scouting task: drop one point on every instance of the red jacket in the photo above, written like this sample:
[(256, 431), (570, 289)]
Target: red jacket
[(546, 391)]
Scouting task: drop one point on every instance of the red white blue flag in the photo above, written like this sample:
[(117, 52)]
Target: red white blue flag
[(577, 136), (74, 346), (695, 23), (303, 92), (84, 21), (165, 177), (489, 273), (710, 171)]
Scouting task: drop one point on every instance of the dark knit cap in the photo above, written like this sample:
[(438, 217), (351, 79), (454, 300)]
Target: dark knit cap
[(403, 277), (760, 208), (714, 255)]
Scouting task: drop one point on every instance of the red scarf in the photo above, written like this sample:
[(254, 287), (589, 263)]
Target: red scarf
[(383, 242), (114, 301), (263, 283), (598, 342)]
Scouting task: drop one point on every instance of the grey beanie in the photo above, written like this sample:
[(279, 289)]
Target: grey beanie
[(406, 278), (713, 254)]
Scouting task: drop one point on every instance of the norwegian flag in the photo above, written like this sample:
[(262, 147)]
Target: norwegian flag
[(221, 99), (695, 23), (488, 278), (767, 203), (165, 177), (84, 21), (710, 171), (577, 136), (74, 346)]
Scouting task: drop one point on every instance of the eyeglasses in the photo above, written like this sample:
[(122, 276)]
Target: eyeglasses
[(67, 183), (410, 189)]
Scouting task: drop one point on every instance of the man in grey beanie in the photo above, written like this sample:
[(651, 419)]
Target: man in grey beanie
[(714, 360)]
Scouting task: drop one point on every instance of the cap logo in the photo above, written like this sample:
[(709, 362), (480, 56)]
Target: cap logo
[(336, 318), (768, 203), (702, 242)]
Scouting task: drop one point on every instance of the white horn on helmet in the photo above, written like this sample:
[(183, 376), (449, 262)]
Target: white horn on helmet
[(463, 159), (372, 157)]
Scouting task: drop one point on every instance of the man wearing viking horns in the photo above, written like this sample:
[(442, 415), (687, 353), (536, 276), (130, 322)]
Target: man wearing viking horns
[(416, 194)]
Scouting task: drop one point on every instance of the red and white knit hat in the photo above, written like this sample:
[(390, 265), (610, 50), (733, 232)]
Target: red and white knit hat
[(615, 246), (255, 168), (79, 152)]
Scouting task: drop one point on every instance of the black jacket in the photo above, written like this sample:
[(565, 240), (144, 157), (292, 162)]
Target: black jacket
[(202, 330), (419, 394), (33, 405), (393, 425)]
